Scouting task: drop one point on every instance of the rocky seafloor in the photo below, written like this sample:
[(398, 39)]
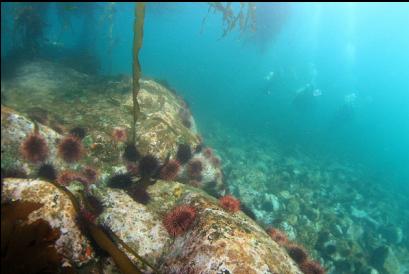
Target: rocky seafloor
[(351, 221), (323, 205)]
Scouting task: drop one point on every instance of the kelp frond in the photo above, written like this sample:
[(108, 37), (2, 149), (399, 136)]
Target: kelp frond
[(244, 16), (28, 248), (130, 250)]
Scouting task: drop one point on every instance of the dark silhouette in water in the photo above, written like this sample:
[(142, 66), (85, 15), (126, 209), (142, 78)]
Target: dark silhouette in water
[(29, 26), (343, 116), (29, 40), (305, 98)]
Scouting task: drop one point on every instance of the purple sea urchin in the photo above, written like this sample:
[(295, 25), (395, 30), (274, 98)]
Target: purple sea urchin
[(34, 148), (148, 166), (47, 172), (183, 153)]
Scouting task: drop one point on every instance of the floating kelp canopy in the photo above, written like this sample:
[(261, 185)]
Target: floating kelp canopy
[(243, 17)]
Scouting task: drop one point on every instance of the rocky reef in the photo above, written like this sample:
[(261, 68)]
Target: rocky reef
[(62, 99), (80, 124)]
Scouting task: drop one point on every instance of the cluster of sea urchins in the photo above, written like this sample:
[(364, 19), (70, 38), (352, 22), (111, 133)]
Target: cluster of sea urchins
[(180, 219), (296, 252), (35, 149)]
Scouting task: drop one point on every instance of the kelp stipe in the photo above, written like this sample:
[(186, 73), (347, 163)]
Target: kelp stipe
[(122, 261), (136, 68)]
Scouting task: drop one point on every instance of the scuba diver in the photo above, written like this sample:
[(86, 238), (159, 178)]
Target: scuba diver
[(306, 97), (346, 112)]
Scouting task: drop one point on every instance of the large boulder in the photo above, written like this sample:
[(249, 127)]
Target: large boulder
[(140, 228), (218, 241), (59, 98), (57, 210)]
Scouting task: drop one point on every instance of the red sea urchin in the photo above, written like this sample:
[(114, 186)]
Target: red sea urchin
[(132, 168), (194, 168), (91, 174), (179, 219), (278, 236), (34, 148), (70, 149), (311, 267), (88, 215), (215, 162), (67, 176), (208, 152), (297, 253), (119, 134), (170, 171), (229, 203)]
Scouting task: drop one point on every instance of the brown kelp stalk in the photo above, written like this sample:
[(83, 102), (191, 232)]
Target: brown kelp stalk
[(130, 250), (122, 261), (136, 68)]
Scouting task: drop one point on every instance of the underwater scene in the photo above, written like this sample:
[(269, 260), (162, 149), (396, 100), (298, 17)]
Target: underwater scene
[(204, 138)]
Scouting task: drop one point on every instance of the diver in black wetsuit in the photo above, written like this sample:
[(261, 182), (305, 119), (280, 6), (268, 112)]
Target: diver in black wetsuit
[(346, 113), (305, 98)]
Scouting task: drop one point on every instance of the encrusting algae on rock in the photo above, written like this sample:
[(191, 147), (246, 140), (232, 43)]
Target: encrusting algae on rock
[(160, 128)]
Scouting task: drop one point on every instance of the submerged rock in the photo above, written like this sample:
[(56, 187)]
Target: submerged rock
[(217, 241), (61, 98), (392, 234), (271, 202), (383, 258), (57, 210), (160, 128), (133, 223)]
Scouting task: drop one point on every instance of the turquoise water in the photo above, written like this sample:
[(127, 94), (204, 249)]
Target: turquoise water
[(316, 88)]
